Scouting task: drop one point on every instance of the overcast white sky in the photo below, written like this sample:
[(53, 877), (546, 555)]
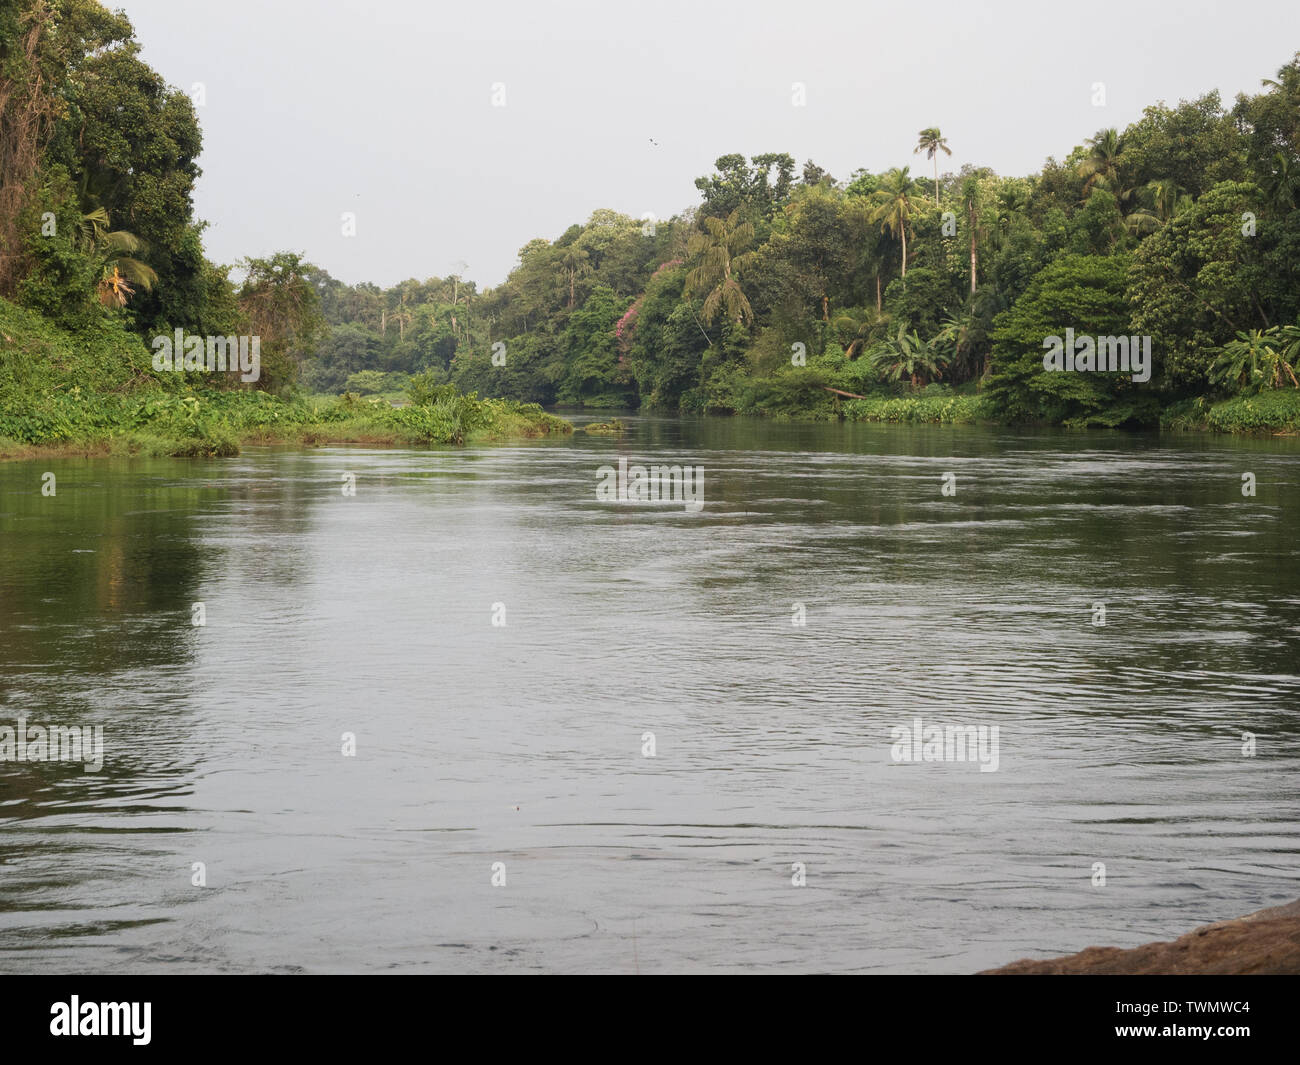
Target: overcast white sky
[(384, 107)]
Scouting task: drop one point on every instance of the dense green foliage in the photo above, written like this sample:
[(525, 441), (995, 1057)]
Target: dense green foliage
[(783, 292), (98, 159), (92, 140), (95, 390)]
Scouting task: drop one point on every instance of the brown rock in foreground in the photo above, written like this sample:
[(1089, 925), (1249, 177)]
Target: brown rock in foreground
[(1266, 942)]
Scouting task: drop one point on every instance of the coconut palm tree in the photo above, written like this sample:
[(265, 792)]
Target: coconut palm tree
[(970, 199), (1157, 202), (1012, 202), (1101, 164), (718, 249), (857, 331), (1168, 197), (871, 245), (957, 334), (896, 205), (120, 274), (1282, 183), (1288, 79), (932, 142)]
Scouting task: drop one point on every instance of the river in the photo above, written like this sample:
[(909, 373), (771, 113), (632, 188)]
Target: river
[(667, 734)]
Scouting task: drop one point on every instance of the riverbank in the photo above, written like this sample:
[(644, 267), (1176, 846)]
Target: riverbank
[(97, 393), (1266, 942), (1274, 413)]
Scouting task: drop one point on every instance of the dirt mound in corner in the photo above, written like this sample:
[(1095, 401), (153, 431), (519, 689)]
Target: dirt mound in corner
[(1266, 942)]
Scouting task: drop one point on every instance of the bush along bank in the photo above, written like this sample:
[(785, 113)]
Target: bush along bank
[(96, 392)]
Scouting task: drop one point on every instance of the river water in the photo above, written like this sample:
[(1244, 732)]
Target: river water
[(1124, 744)]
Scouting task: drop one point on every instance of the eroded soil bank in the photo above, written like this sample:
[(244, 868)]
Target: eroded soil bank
[(1266, 942)]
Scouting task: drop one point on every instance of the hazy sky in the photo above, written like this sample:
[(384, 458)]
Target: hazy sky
[(385, 107)]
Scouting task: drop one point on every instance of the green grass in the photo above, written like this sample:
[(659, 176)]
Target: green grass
[(1275, 412)]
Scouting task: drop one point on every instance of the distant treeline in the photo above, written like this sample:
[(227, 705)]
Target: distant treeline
[(783, 283)]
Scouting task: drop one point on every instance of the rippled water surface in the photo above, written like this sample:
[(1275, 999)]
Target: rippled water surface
[(522, 744)]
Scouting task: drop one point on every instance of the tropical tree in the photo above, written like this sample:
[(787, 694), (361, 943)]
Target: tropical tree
[(970, 200), (112, 251), (932, 142), (572, 262), (283, 309), (857, 331), (1168, 197), (1012, 203), (871, 245), (958, 334), (1259, 359), (896, 205), (907, 355), (1282, 183), (717, 249), (1101, 164), (403, 318)]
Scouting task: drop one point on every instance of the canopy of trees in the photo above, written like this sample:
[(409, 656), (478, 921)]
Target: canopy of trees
[(779, 286)]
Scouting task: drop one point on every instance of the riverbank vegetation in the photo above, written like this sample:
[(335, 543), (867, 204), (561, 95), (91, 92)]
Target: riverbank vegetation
[(92, 141), (95, 392), (783, 292)]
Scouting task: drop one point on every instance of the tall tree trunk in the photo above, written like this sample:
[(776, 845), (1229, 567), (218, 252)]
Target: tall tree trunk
[(970, 214), (936, 179), (878, 303), (904, 251)]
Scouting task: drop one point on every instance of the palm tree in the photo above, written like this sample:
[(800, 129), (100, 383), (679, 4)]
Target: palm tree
[(970, 198), (909, 356), (1012, 201), (1288, 79), (896, 205), (870, 243), (1158, 201), (858, 331), (719, 247), (958, 333), (1168, 197), (1282, 183), (1258, 360), (932, 142), (1101, 165), (119, 273)]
